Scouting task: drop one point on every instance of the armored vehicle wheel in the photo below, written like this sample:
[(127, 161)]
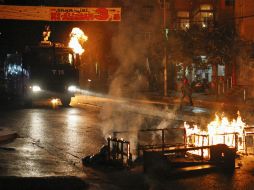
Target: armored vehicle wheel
[(66, 101)]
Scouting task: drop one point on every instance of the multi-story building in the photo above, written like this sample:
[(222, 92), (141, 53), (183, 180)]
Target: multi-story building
[(149, 22), (181, 11), (210, 15), (244, 20), (202, 12)]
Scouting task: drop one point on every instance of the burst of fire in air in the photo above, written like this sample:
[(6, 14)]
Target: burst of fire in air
[(77, 39)]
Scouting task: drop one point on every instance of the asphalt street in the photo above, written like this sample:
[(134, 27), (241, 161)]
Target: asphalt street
[(52, 142)]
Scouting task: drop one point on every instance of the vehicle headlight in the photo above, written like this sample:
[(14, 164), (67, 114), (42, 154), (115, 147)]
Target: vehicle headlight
[(36, 88), (72, 88)]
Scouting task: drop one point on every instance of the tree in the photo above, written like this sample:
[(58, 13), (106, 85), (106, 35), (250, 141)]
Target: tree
[(218, 44)]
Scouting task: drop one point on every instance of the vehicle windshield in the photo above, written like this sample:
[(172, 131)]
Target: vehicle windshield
[(48, 56), (64, 58), (43, 56)]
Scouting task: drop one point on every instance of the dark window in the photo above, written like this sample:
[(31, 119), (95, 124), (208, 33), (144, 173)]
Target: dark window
[(147, 11), (42, 56), (162, 4), (252, 52), (147, 35), (229, 2), (127, 11)]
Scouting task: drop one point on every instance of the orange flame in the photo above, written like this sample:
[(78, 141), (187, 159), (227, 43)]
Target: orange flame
[(219, 131), (77, 38)]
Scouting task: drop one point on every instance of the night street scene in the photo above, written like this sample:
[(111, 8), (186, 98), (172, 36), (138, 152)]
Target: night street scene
[(126, 95)]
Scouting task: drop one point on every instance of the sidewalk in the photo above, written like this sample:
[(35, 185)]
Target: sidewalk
[(203, 100), (207, 100)]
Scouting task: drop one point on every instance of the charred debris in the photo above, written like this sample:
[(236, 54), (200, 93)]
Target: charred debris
[(171, 150)]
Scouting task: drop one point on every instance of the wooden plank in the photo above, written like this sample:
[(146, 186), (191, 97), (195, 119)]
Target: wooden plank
[(43, 13)]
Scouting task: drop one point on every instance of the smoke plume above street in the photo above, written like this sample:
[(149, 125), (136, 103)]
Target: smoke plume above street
[(130, 82)]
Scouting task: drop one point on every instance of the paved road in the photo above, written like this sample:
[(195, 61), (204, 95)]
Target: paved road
[(52, 141), (46, 134)]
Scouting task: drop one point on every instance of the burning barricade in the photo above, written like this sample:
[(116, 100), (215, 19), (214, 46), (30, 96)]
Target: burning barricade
[(220, 131), (183, 145)]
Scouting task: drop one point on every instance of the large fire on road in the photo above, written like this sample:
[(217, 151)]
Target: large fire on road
[(219, 131)]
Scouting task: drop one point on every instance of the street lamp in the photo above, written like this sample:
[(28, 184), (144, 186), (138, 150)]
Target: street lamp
[(165, 50)]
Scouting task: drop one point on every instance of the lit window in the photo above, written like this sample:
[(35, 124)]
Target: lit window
[(183, 20), (184, 24), (183, 14), (206, 7)]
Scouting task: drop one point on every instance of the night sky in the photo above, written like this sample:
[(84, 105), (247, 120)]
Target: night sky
[(16, 34)]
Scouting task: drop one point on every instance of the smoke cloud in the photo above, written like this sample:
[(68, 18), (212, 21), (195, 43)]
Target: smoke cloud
[(130, 82)]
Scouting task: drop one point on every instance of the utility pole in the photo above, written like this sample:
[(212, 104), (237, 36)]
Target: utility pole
[(165, 49)]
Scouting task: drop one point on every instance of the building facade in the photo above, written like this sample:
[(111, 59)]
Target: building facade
[(146, 26), (244, 10), (244, 20)]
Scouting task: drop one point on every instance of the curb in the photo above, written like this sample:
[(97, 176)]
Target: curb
[(43, 183), (209, 103), (7, 135)]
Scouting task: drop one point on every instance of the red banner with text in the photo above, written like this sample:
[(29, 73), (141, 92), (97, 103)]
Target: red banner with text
[(60, 13)]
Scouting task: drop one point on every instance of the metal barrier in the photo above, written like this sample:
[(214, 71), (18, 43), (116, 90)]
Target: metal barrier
[(219, 154), (161, 146), (119, 150), (248, 140)]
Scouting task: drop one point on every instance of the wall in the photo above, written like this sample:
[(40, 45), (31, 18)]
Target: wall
[(244, 25)]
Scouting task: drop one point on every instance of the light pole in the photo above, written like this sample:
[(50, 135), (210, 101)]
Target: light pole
[(165, 50)]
